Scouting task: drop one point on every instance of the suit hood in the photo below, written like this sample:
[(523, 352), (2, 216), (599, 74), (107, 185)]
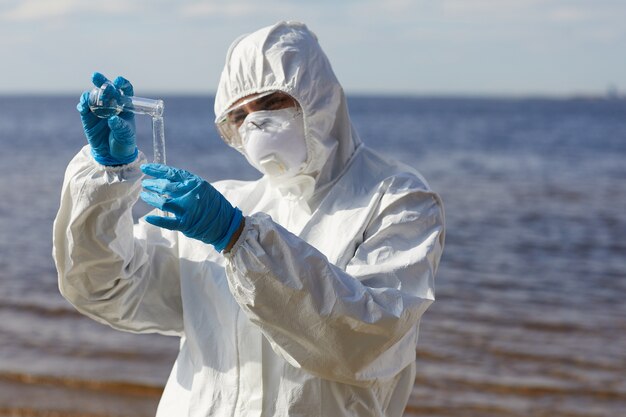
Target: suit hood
[(287, 57)]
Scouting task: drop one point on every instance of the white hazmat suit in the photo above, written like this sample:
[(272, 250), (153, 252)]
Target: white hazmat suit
[(315, 310)]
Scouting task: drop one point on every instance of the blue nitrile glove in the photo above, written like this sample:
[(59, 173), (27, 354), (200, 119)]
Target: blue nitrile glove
[(112, 140), (201, 212)]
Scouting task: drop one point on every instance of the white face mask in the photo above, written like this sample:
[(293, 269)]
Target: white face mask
[(273, 141)]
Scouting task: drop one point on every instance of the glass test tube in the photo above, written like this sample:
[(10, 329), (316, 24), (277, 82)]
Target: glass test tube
[(158, 140), (106, 101)]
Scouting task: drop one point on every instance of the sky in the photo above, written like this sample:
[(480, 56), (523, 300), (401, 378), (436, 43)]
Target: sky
[(404, 47)]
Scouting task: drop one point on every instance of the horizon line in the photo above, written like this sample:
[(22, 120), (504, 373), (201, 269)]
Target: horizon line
[(356, 93)]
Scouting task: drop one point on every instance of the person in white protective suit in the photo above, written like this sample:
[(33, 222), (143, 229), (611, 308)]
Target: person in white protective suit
[(311, 304)]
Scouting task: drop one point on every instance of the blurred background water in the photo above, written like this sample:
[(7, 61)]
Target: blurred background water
[(530, 318)]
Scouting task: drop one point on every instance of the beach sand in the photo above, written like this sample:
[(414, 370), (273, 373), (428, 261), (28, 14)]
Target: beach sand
[(32, 396)]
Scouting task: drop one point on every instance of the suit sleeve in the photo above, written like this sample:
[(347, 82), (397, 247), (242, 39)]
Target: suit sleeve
[(357, 325), (118, 273)]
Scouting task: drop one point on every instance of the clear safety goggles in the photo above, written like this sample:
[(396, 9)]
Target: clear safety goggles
[(229, 122)]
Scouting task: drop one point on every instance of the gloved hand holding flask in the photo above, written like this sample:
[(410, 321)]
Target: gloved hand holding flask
[(200, 211), (112, 139)]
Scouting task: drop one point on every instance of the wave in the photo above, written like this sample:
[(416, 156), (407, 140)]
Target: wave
[(40, 309), (104, 386)]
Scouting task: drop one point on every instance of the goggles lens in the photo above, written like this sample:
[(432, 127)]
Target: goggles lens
[(229, 122)]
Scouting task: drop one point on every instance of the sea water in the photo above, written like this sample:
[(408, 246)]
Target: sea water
[(529, 317)]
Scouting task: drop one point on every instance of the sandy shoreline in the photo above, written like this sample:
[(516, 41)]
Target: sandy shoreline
[(44, 396), (436, 394)]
